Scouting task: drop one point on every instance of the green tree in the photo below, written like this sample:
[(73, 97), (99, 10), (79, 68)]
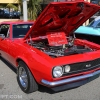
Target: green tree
[(33, 8), (3, 6), (10, 5)]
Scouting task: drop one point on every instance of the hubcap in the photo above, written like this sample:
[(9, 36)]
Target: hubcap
[(23, 77)]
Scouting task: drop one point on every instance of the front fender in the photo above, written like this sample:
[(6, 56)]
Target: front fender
[(40, 67)]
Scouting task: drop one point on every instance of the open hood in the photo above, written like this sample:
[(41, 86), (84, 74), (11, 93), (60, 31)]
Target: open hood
[(62, 17)]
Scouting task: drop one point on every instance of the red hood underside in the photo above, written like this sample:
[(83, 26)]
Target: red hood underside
[(62, 17)]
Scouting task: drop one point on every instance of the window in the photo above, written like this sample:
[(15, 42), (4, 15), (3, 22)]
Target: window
[(91, 24), (94, 1), (4, 29), (20, 30), (98, 25)]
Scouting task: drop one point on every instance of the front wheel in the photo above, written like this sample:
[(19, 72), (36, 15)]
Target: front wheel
[(25, 79)]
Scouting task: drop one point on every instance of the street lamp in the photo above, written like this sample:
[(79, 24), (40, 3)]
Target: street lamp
[(25, 17)]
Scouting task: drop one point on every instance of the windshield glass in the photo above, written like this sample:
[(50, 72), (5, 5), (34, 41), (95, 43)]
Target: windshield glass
[(91, 24), (20, 30)]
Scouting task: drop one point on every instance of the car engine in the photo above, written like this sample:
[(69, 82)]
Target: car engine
[(62, 50)]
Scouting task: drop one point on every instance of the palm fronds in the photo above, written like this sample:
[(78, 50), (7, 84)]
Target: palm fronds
[(33, 8), (10, 5)]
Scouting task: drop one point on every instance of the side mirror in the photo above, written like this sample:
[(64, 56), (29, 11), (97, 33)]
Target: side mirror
[(2, 36)]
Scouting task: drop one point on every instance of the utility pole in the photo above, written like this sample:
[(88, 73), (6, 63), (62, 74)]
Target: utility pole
[(25, 10)]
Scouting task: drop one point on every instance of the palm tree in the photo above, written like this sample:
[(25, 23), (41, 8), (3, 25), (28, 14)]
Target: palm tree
[(33, 8), (20, 4), (1, 6), (10, 5)]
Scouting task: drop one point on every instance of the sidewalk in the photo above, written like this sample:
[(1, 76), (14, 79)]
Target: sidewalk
[(1, 20)]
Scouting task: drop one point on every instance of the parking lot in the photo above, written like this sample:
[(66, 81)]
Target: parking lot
[(9, 89)]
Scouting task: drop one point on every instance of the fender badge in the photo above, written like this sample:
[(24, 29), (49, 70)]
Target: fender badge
[(88, 65)]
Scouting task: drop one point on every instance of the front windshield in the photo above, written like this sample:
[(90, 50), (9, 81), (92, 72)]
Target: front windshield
[(91, 24), (20, 30)]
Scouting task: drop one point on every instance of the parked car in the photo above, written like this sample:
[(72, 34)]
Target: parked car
[(17, 14), (1, 13), (4, 13), (49, 54), (11, 14), (90, 32)]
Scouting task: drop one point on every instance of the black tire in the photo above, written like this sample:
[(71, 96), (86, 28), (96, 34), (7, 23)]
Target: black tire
[(31, 84)]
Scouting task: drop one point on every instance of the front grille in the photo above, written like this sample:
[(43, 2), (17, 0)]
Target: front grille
[(83, 66)]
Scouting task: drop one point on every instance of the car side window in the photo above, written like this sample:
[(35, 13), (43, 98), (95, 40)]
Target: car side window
[(4, 29), (20, 30)]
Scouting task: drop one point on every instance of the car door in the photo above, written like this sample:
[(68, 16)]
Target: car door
[(4, 41)]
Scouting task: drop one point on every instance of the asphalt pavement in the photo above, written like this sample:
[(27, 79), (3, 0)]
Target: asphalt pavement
[(9, 89)]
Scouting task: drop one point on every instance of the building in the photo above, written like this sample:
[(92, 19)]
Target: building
[(8, 1), (3, 3)]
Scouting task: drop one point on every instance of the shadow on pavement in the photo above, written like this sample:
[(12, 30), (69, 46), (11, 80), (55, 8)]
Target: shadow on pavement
[(50, 91), (9, 65)]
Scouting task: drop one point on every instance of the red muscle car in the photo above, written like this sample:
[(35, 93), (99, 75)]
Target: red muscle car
[(49, 54)]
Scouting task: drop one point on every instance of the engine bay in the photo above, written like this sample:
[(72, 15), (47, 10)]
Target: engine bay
[(63, 50), (57, 23)]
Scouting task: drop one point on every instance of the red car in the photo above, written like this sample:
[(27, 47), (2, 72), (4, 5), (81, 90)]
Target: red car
[(49, 54)]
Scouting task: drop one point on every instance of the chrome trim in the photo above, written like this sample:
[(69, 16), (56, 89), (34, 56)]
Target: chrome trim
[(77, 78)]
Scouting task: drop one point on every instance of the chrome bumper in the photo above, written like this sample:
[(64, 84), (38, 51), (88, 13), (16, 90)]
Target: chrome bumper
[(65, 81)]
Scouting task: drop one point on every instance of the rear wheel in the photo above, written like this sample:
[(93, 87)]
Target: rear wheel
[(25, 79)]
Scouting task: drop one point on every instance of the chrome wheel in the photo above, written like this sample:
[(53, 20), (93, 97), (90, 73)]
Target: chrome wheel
[(23, 77)]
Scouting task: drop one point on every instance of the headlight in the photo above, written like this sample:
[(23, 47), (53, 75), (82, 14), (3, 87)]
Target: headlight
[(67, 68), (57, 71)]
